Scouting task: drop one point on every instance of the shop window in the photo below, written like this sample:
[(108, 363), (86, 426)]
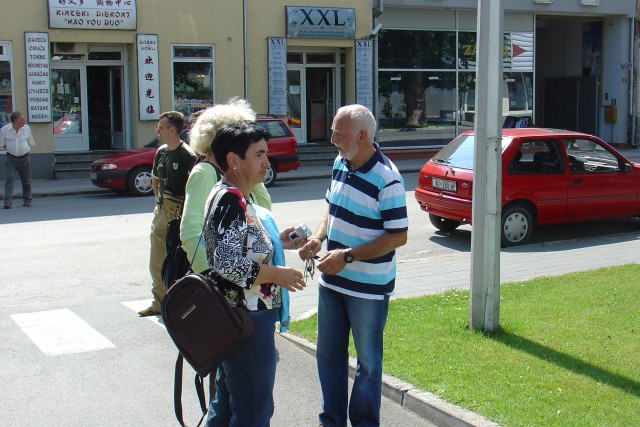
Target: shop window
[(467, 50), (321, 58), (6, 83), (105, 56), (520, 91), (193, 78), (294, 58), (416, 99), (417, 49)]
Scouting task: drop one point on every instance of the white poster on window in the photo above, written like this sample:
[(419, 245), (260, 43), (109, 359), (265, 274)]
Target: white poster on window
[(277, 47), (148, 82), (38, 82), (364, 73), (93, 14)]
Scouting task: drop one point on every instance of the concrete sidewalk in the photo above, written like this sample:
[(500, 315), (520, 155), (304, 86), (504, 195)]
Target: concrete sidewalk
[(67, 187)]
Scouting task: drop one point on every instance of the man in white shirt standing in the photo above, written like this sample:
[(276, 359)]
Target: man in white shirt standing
[(17, 140)]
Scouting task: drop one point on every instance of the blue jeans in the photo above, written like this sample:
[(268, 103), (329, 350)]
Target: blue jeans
[(337, 314), (245, 379)]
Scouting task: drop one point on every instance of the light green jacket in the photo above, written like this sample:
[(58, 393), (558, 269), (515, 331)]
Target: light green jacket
[(201, 180)]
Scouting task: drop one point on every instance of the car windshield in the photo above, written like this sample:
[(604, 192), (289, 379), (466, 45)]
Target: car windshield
[(275, 128), (459, 153)]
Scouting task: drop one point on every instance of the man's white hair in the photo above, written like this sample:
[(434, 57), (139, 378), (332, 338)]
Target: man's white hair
[(362, 119), (213, 118)]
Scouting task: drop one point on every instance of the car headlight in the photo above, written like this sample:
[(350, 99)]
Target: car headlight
[(108, 167)]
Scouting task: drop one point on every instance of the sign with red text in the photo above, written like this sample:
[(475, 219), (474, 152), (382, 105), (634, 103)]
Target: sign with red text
[(93, 14), (38, 82), (148, 77)]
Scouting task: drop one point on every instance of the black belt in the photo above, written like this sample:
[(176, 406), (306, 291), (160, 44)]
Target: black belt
[(18, 157)]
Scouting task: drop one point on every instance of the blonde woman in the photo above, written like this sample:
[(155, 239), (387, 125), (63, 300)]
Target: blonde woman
[(204, 176)]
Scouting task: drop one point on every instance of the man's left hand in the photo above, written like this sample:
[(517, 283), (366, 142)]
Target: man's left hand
[(332, 262)]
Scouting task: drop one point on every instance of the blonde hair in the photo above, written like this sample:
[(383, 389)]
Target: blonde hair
[(213, 118)]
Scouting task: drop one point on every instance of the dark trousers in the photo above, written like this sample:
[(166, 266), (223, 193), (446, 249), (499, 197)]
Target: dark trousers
[(21, 165)]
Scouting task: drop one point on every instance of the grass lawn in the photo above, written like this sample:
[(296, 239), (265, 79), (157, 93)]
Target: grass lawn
[(567, 354)]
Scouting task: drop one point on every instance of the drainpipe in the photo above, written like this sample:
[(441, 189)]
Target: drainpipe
[(245, 49), (633, 95), (376, 102)]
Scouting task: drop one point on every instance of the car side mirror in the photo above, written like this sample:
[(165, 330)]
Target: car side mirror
[(627, 167)]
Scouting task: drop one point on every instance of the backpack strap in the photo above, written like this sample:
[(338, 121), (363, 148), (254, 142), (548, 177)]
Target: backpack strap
[(177, 392)]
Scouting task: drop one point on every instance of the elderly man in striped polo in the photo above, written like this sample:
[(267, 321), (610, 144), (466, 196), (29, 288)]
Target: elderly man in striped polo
[(366, 220)]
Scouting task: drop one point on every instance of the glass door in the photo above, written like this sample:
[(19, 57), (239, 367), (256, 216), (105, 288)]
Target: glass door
[(296, 92), (67, 100), (115, 107)]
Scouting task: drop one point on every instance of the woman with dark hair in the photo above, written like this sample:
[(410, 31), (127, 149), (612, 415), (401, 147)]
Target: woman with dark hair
[(241, 250)]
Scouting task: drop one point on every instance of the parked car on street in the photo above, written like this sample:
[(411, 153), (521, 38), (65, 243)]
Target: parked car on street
[(130, 171), (548, 176)]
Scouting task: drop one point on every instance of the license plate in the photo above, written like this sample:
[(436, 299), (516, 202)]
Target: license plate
[(93, 175), (444, 184)]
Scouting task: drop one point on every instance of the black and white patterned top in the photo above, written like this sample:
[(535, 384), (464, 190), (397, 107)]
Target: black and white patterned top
[(229, 224)]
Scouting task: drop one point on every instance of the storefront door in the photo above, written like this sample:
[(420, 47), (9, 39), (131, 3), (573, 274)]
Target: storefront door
[(68, 100), (314, 94)]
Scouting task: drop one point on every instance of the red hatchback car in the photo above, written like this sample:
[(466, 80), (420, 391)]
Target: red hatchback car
[(130, 171), (548, 176)]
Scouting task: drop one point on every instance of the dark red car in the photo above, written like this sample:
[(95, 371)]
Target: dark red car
[(130, 171), (548, 176)]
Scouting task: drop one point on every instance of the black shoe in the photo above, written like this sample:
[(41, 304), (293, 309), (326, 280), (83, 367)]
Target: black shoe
[(149, 311), (27, 203), (7, 205)]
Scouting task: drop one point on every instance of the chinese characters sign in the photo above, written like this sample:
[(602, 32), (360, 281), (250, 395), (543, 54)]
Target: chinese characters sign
[(364, 73), (38, 82), (148, 82), (321, 22), (277, 76), (93, 14)]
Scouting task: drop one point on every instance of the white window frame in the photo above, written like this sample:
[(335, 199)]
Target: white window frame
[(6, 55), (211, 60)]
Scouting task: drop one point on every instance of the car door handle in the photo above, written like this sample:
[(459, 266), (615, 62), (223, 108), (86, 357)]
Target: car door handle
[(577, 181)]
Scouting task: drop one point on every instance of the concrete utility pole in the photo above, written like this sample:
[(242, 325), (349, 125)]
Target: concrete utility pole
[(487, 178)]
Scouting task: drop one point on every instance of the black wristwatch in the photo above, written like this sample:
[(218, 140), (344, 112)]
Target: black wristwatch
[(348, 256)]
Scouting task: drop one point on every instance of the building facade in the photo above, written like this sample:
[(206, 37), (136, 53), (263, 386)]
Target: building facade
[(567, 64), (93, 75)]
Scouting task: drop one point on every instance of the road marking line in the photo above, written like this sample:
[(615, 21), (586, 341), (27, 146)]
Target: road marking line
[(57, 332), (141, 305)]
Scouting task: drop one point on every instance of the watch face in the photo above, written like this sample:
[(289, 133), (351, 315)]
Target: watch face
[(348, 257)]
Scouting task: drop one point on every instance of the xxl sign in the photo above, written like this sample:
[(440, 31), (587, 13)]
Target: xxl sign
[(321, 22)]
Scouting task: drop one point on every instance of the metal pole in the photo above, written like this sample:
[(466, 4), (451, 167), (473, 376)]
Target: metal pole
[(487, 180)]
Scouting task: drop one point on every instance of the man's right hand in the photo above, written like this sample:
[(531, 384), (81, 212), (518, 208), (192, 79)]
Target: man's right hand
[(310, 249)]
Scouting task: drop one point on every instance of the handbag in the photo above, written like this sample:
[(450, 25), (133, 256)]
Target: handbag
[(203, 325)]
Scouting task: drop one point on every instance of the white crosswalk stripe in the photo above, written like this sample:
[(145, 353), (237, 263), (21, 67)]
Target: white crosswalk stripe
[(140, 305), (57, 332)]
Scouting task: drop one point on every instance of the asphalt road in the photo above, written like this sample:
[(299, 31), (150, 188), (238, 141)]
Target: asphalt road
[(74, 271)]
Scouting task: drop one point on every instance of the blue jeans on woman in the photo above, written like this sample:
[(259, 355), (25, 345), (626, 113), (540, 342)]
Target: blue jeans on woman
[(337, 314), (245, 379)]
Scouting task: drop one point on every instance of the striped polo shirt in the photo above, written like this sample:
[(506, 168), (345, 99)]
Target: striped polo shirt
[(363, 205)]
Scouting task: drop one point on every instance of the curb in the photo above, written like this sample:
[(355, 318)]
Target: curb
[(422, 403)]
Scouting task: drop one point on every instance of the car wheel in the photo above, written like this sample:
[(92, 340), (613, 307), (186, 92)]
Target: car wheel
[(443, 224), (270, 175), (139, 182), (517, 225)]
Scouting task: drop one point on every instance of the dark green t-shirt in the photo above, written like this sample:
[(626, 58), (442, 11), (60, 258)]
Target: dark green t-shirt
[(172, 168)]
